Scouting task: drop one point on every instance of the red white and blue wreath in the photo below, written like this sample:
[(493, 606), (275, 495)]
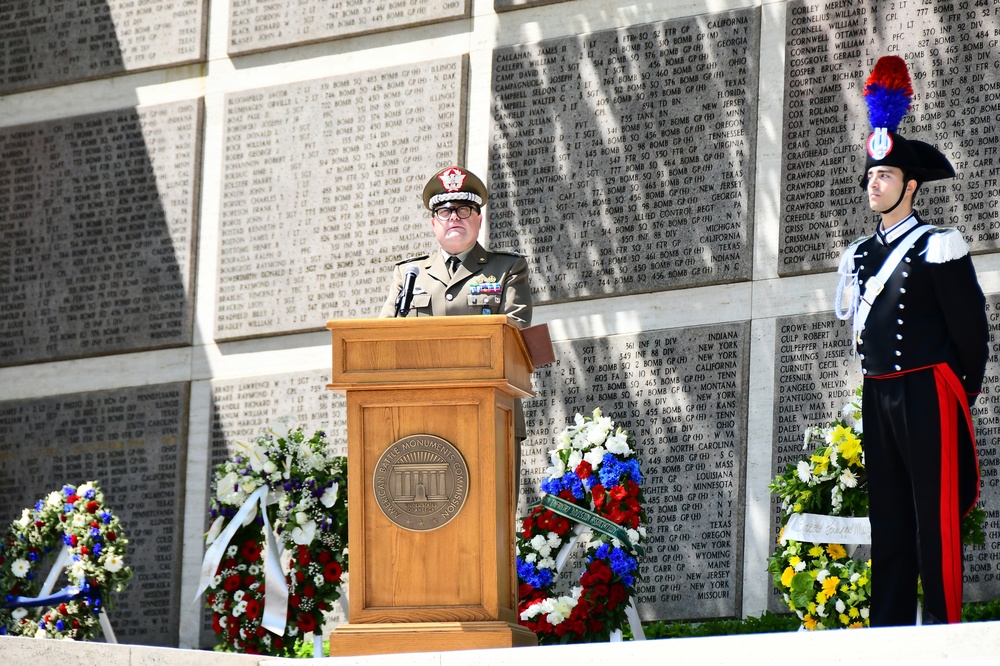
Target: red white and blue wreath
[(271, 575), (74, 520), (595, 480)]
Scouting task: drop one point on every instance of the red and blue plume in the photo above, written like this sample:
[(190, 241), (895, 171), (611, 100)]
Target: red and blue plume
[(888, 93)]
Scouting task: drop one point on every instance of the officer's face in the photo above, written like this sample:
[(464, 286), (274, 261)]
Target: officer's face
[(885, 184), (456, 235)]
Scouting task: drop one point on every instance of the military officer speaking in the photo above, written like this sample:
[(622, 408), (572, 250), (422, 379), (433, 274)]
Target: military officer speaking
[(463, 278), (922, 337)]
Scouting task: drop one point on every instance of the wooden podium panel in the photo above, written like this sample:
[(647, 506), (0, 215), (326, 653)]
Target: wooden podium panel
[(417, 585)]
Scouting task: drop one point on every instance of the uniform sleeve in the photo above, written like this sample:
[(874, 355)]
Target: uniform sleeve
[(964, 307), (517, 294), (395, 286)]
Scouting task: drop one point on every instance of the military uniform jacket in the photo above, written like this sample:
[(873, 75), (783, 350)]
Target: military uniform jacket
[(931, 310), (436, 294)]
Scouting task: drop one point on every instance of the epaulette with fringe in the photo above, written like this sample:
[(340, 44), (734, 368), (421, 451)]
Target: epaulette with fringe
[(945, 244)]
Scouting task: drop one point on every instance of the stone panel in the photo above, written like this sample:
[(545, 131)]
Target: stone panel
[(133, 442), (622, 161), (832, 47), (255, 25), (321, 192), (682, 394), (52, 43), (97, 232)]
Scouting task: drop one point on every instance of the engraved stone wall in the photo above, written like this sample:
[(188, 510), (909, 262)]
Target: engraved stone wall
[(255, 25), (133, 442), (622, 161), (832, 47), (682, 394), (321, 192), (50, 43), (97, 218)]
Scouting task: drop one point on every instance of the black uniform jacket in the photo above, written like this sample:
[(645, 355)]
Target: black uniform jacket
[(932, 309)]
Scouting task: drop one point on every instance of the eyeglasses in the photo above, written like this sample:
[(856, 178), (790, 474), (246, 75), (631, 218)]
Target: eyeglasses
[(444, 214)]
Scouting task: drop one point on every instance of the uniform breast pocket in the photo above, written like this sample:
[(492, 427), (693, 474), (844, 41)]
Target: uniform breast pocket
[(421, 305)]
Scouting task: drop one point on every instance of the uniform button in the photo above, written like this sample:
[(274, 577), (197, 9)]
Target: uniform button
[(449, 297), (899, 337), (905, 274), (899, 321), (864, 371), (907, 260), (899, 353), (861, 356), (897, 368), (902, 291), (901, 306)]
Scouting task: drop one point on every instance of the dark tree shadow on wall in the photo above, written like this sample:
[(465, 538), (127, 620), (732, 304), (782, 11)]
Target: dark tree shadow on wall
[(97, 235)]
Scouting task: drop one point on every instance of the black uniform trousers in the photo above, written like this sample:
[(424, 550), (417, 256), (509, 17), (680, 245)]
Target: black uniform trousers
[(918, 445)]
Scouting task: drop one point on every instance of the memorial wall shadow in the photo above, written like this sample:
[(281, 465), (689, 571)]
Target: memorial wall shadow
[(133, 444), (97, 233), (48, 44), (622, 161)]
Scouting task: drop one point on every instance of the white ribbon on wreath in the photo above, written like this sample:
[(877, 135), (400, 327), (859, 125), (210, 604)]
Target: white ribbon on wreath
[(275, 615)]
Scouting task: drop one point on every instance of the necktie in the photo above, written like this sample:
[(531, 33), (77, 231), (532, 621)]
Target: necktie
[(453, 263)]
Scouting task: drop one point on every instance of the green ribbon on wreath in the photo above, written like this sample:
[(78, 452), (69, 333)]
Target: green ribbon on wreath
[(592, 520)]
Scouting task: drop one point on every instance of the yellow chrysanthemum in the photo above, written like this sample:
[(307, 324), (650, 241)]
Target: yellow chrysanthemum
[(781, 534), (856, 625), (830, 585), (811, 607), (862, 581), (797, 507), (794, 559), (821, 597), (816, 551), (809, 622), (786, 576), (836, 551), (853, 612), (844, 619)]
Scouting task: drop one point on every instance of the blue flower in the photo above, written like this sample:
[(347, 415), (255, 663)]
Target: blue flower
[(33, 556), (68, 490), (628, 580), (68, 508), (39, 505), (96, 549), (60, 625), (90, 494), (622, 563), (95, 532), (536, 578), (67, 540)]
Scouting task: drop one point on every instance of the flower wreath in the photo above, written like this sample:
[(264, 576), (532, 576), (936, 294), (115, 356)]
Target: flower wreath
[(307, 505), (594, 478), (820, 582), (75, 519)]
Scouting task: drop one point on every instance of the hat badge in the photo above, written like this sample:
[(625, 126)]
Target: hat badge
[(879, 143), (452, 179)]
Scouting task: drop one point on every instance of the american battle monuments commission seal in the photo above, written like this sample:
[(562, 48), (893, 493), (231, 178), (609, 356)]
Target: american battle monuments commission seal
[(421, 482)]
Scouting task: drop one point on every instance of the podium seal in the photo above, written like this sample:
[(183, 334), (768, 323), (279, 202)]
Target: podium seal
[(421, 482)]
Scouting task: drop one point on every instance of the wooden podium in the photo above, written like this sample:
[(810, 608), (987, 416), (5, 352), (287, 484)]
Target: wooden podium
[(425, 397)]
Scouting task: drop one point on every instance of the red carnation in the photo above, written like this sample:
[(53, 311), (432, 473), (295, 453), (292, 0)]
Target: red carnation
[(92, 506), (305, 622), (598, 494), (309, 591), (63, 610), (584, 469), (295, 601), (232, 628), (110, 536), (304, 557), (216, 627), (73, 540), (324, 557), (299, 576), (72, 499), (249, 580), (619, 492), (332, 572), (84, 550)]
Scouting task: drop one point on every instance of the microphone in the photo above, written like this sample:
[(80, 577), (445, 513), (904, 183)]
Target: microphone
[(406, 293)]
